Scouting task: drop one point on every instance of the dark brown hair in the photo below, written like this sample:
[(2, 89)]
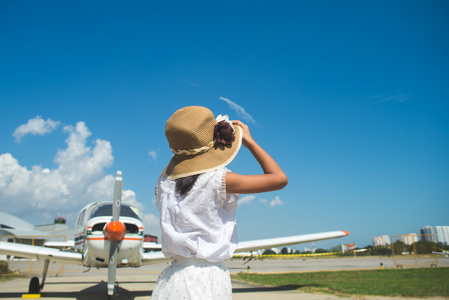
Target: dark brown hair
[(185, 184)]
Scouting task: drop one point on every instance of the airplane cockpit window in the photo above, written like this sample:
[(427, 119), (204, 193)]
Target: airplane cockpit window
[(105, 210), (80, 220)]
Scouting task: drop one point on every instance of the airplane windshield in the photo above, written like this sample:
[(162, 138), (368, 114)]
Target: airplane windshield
[(105, 210)]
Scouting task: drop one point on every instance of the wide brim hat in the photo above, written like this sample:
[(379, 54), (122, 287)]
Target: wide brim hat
[(191, 134)]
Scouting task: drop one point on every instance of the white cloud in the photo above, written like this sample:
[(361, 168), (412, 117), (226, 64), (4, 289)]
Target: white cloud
[(246, 199), (153, 155), (33, 188), (38, 194), (101, 190), (36, 126), (129, 196), (240, 110), (274, 202)]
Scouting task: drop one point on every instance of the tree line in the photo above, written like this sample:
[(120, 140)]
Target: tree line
[(399, 247)]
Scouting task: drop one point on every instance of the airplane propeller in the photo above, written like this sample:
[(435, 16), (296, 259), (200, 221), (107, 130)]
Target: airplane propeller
[(114, 232)]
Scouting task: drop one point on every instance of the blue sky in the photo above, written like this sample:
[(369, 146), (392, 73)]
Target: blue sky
[(349, 97)]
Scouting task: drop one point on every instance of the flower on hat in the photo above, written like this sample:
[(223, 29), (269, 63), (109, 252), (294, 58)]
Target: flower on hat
[(223, 130)]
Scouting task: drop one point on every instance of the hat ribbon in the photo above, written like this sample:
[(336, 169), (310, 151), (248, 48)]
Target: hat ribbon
[(193, 151)]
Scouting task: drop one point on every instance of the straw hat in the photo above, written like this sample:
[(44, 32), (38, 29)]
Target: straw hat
[(200, 143)]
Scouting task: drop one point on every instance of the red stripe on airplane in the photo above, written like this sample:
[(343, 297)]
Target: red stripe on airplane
[(102, 238)]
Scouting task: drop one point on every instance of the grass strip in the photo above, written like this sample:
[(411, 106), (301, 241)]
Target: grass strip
[(418, 282)]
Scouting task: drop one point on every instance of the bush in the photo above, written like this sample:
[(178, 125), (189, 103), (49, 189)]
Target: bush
[(4, 268), (424, 247)]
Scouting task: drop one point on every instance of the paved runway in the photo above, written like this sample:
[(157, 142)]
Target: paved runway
[(138, 283)]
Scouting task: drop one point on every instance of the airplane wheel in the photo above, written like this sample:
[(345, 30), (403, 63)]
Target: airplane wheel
[(34, 286)]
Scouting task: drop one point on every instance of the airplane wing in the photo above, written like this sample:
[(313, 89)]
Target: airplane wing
[(57, 244), (158, 257), (154, 258), (43, 253), (152, 246), (289, 240)]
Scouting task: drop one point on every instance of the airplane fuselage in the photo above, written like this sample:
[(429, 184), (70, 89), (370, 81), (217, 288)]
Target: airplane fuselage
[(90, 236)]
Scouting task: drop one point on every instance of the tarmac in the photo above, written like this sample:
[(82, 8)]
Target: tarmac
[(133, 287), (138, 283)]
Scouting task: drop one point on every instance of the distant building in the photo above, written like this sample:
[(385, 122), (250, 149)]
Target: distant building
[(16, 230), (59, 231), (381, 241), (441, 234), (409, 239), (148, 238)]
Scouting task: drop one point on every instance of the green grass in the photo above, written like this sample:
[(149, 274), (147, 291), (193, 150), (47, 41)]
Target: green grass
[(420, 282)]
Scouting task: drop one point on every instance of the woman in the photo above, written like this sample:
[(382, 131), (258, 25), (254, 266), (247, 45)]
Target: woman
[(197, 200)]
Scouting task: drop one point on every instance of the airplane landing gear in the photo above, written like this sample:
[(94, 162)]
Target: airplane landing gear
[(34, 287)]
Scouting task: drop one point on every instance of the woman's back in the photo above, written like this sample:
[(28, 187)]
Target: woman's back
[(201, 223)]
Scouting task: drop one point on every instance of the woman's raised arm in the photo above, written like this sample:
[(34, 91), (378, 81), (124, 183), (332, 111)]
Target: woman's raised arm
[(272, 179)]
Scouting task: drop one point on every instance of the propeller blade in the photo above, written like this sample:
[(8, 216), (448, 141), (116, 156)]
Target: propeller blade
[(117, 201), (114, 232), (112, 269)]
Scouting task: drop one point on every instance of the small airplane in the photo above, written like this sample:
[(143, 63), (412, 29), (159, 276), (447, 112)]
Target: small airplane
[(442, 252), (110, 235)]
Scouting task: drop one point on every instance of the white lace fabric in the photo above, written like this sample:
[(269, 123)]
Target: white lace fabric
[(201, 224), (193, 282)]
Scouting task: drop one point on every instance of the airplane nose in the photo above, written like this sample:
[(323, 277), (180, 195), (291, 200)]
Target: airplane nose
[(115, 231)]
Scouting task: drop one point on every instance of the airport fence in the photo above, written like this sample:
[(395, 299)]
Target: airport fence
[(407, 251), (300, 255)]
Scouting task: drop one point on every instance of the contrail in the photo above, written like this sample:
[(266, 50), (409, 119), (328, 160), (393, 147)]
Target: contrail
[(190, 82), (240, 110)]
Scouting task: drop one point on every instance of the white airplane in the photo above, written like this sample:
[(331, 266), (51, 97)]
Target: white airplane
[(110, 235), (442, 252)]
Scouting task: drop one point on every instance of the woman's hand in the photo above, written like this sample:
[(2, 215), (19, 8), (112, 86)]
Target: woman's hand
[(247, 139)]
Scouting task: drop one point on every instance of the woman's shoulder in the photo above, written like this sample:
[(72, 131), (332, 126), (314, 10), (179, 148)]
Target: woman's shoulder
[(166, 184), (214, 182)]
